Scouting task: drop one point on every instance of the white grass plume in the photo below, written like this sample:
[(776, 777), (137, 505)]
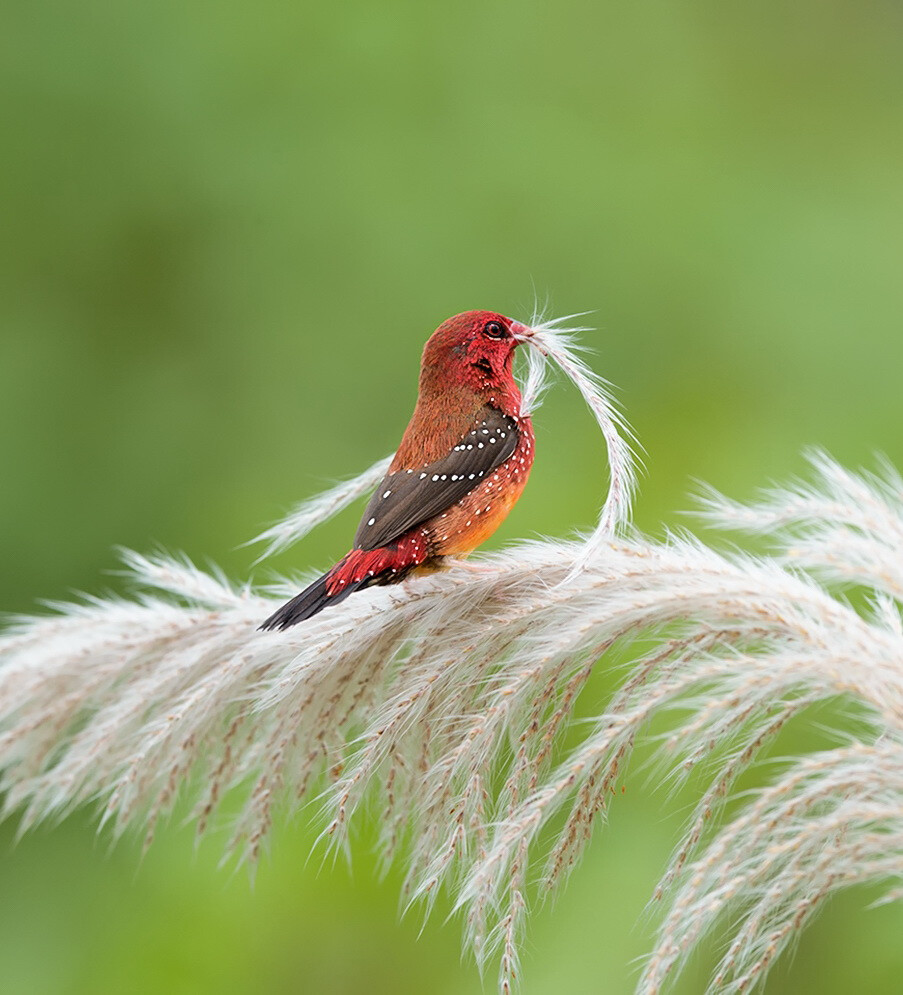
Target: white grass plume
[(446, 700), (557, 341)]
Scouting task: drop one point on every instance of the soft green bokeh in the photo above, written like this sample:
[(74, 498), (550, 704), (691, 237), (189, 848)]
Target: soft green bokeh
[(227, 230)]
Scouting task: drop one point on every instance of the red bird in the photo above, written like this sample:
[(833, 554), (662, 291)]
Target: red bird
[(461, 466)]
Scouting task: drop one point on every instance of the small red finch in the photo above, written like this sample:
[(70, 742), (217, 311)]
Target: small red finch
[(462, 464)]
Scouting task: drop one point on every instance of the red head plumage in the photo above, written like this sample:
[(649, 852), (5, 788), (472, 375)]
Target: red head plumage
[(462, 464), (474, 350)]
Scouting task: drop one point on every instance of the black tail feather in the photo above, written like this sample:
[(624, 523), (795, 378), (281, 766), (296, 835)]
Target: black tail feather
[(309, 602)]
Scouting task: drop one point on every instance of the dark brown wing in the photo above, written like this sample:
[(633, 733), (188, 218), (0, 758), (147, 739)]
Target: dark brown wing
[(409, 497)]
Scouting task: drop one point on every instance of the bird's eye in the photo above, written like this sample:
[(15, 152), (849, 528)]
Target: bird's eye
[(494, 330)]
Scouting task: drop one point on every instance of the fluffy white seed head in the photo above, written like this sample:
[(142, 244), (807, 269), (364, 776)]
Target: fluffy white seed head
[(447, 699), (557, 341)]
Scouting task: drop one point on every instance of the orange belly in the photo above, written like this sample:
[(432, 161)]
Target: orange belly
[(471, 521)]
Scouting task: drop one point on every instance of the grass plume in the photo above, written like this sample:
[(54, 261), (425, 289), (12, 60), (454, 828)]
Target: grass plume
[(447, 699)]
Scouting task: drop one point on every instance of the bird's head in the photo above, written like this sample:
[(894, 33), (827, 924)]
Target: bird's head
[(475, 348)]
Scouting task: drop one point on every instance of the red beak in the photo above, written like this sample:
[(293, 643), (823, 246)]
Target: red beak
[(520, 332)]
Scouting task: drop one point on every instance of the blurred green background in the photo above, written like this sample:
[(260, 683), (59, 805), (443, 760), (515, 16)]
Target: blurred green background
[(227, 230)]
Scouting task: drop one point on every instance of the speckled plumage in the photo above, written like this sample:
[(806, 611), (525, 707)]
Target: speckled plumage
[(463, 462), (472, 519)]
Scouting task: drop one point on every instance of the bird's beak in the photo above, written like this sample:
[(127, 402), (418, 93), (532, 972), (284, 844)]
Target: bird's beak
[(523, 333), (520, 332)]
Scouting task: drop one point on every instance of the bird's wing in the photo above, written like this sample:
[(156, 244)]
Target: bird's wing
[(410, 496)]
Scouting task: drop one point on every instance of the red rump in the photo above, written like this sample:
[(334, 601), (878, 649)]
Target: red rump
[(363, 565)]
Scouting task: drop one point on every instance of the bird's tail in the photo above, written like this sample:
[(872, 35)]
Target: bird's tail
[(308, 603), (357, 569)]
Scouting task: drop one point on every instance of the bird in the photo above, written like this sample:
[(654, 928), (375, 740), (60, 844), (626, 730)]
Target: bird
[(462, 464)]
